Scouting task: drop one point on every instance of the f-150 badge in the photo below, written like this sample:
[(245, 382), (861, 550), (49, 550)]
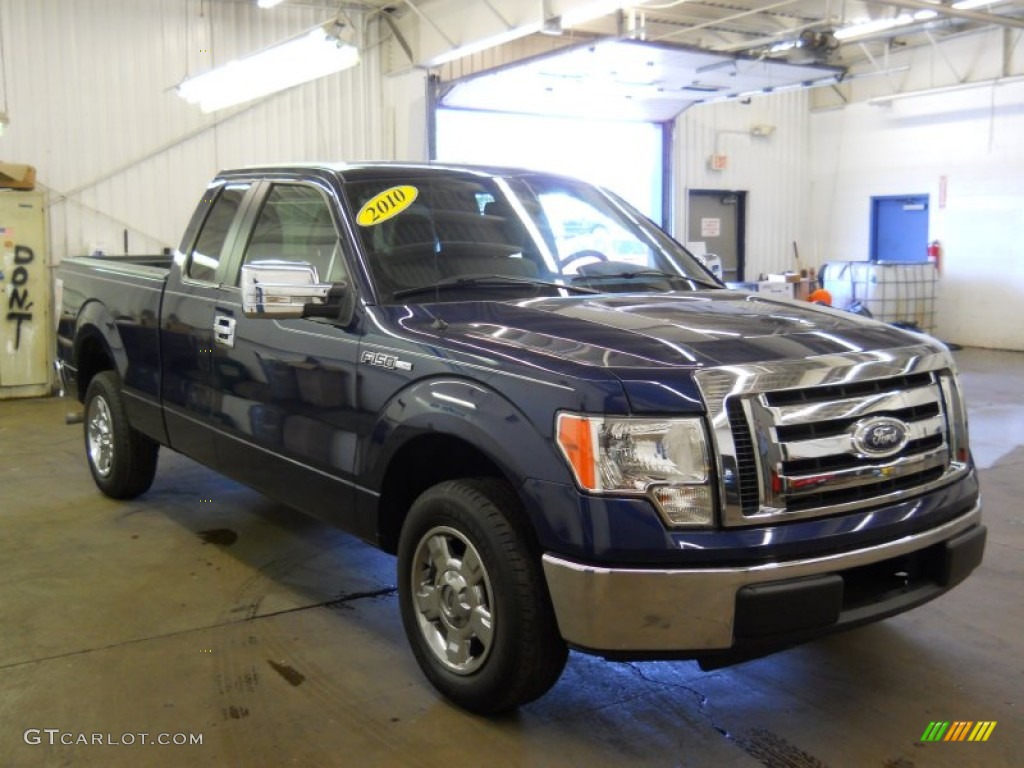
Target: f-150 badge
[(384, 360)]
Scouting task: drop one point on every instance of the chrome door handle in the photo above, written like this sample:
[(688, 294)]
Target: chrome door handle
[(224, 330)]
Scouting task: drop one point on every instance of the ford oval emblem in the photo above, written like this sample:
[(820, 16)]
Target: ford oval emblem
[(880, 436)]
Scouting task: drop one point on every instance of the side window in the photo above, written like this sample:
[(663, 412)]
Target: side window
[(295, 224), (207, 252)]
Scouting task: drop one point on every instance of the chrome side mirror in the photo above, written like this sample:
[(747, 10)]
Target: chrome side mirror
[(282, 289)]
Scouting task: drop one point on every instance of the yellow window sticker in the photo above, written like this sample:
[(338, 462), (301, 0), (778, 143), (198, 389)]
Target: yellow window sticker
[(385, 205)]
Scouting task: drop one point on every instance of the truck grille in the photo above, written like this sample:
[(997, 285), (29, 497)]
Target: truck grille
[(824, 447)]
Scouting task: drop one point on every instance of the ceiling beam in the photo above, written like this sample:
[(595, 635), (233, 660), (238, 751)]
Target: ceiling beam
[(946, 10), (722, 20)]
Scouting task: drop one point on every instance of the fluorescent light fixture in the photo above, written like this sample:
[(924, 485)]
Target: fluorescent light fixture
[(269, 3), (488, 42), (299, 60), (863, 27), (884, 101)]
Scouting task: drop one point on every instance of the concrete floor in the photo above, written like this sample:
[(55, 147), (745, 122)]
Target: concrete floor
[(204, 608)]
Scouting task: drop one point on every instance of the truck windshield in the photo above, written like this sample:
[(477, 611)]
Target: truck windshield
[(451, 231)]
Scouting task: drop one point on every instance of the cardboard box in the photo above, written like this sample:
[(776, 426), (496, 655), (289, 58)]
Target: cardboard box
[(784, 277), (788, 286), (775, 289), (13, 176)]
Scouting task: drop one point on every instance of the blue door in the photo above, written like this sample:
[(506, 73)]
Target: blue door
[(899, 228)]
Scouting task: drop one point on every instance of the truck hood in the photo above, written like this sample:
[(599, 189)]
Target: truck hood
[(707, 328)]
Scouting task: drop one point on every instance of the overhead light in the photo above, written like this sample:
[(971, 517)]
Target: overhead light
[(863, 27), (488, 42), (885, 101), (268, 3), (4, 122), (312, 55)]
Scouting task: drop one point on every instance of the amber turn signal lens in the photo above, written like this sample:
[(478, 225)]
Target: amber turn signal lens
[(576, 439)]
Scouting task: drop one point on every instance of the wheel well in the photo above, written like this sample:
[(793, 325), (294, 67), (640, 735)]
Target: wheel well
[(92, 358), (419, 464)]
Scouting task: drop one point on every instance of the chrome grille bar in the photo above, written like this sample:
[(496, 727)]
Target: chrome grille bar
[(786, 432), (842, 442), (865, 475), (851, 407)]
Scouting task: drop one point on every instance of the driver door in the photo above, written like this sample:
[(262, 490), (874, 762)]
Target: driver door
[(287, 388)]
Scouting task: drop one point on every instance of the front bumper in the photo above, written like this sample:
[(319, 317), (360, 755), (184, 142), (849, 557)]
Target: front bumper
[(711, 613)]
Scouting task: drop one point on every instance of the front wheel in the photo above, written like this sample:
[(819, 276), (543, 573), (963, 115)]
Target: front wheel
[(121, 459), (473, 597)]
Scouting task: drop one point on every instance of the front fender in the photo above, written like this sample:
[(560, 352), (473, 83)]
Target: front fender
[(469, 411)]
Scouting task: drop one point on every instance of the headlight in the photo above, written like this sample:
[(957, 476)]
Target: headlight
[(663, 459)]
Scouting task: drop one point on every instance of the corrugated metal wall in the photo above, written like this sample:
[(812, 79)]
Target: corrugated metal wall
[(92, 107), (773, 170)]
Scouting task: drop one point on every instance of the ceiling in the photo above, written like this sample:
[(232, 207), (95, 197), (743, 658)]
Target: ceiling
[(650, 60), (805, 30), (800, 31)]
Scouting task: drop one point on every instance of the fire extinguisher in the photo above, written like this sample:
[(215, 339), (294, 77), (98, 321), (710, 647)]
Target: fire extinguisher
[(935, 255)]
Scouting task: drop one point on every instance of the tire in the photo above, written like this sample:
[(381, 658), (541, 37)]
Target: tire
[(122, 460), (473, 598)]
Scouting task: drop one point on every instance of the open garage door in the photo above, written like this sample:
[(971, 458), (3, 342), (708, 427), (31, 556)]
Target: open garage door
[(602, 111)]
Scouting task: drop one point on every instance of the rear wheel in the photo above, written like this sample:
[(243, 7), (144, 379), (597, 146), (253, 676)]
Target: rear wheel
[(121, 459), (473, 597)]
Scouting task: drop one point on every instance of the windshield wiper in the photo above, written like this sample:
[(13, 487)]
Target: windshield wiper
[(646, 273), (485, 281)]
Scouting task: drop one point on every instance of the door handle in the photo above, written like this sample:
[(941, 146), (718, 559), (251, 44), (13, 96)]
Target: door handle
[(224, 330)]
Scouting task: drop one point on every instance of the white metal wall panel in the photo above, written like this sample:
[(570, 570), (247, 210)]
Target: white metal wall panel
[(773, 170), (92, 107), (970, 57), (964, 150)]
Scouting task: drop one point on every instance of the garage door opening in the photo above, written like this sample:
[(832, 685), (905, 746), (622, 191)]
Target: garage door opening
[(600, 110), (627, 158)]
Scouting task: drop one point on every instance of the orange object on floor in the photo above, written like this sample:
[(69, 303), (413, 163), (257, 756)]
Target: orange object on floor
[(820, 296)]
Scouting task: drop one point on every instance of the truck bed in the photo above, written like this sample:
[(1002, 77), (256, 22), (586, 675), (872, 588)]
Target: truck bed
[(97, 294), (144, 265)]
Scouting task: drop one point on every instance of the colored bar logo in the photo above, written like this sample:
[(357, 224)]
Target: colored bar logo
[(959, 730)]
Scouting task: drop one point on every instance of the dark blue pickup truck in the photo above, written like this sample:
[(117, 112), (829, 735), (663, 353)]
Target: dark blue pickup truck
[(569, 432)]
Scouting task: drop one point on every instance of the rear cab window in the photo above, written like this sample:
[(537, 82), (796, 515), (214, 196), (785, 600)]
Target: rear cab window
[(209, 248)]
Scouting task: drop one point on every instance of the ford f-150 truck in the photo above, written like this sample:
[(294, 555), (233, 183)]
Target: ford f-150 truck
[(567, 430)]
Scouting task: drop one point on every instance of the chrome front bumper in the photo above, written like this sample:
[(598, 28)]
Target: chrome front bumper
[(635, 611)]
